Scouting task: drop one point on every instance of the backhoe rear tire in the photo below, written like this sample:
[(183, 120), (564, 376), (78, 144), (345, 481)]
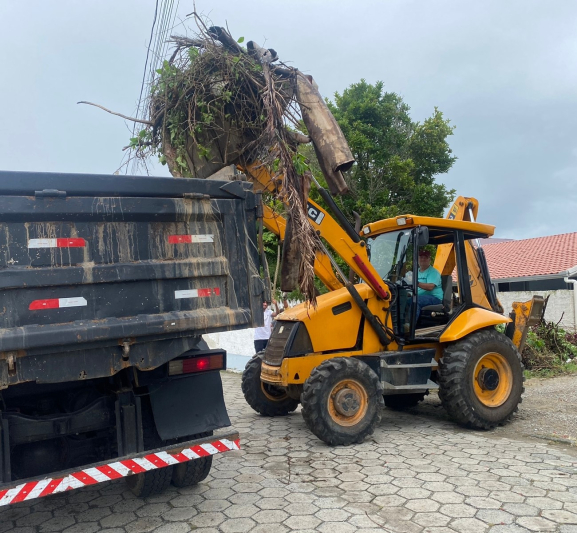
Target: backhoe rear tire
[(265, 399), (403, 401), (481, 379), (342, 401)]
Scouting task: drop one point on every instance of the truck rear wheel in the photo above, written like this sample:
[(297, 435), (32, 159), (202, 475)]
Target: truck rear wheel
[(481, 379), (151, 482), (403, 401), (342, 401), (191, 472), (264, 398)]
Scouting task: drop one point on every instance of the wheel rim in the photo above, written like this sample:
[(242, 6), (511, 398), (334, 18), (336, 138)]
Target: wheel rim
[(272, 393), (492, 379), (348, 402)]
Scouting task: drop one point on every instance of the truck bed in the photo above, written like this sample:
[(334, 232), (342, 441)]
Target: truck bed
[(99, 273)]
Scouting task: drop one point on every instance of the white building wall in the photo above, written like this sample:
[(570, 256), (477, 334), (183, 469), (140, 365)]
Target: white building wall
[(559, 308)]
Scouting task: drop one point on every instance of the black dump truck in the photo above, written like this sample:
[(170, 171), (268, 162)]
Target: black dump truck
[(107, 284)]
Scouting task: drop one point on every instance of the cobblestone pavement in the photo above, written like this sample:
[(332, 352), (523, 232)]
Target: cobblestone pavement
[(416, 474)]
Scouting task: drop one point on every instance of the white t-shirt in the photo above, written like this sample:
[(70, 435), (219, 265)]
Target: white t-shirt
[(262, 334)]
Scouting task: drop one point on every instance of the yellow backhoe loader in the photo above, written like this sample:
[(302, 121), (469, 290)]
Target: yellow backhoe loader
[(362, 346)]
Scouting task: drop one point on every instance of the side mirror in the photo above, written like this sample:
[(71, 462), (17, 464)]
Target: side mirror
[(422, 236)]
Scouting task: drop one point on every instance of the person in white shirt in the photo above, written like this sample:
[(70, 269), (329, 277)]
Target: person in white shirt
[(262, 334)]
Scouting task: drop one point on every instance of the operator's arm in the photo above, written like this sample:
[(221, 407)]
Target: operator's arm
[(433, 280), (275, 305)]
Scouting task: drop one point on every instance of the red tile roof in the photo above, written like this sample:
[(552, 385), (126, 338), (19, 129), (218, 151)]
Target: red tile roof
[(532, 257)]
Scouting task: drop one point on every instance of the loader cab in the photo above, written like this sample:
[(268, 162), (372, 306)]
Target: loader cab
[(465, 281)]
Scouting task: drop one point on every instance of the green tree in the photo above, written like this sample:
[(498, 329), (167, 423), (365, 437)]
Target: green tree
[(397, 159)]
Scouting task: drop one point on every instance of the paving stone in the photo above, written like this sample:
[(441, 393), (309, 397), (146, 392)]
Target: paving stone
[(34, 519), (560, 516), (422, 506), (301, 508), (458, 510), (144, 525), (57, 523), (117, 519), (492, 516), (332, 515), (536, 523), (173, 528), (302, 522), (520, 509), (468, 525)]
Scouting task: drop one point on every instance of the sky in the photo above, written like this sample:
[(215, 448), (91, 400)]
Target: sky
[(502, 72)]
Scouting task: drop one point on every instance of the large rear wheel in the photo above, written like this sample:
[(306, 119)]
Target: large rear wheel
[(481, 379), (264, 398), (342, 401)]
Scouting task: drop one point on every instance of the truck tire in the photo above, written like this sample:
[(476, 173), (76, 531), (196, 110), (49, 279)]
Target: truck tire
[(403, 401), (481, 379), (342, 401), (265, 399), (151, 482), (191, 472)]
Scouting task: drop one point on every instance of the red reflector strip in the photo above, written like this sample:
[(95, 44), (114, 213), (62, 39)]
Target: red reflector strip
[(107, 471), (85, 478), (189, 239), (57, 243), (197, 293), (200, 451), (209, 292), (134, 466), (57, 303), (26, 489)]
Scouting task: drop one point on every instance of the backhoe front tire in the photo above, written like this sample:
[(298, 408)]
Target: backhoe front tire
[(342, 401), (481, 379), (265, 399), (403, 401)]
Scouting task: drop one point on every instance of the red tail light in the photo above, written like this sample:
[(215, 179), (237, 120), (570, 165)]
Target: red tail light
[(192, 365)]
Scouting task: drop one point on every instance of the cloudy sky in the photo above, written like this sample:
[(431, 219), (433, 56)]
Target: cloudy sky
[(503, 72)]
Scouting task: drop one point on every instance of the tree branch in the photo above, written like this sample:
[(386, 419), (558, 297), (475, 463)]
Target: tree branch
[(140, 121)]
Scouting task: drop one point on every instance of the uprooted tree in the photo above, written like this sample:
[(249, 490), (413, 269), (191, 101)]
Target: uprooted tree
[(215, 103)]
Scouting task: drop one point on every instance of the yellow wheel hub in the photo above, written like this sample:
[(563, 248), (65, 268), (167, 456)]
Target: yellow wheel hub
[(272, 393), (348, 402), (492, 379)]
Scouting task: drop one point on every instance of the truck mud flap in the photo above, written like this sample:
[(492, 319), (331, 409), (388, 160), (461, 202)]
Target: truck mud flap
[(29, 489), (189, 405)]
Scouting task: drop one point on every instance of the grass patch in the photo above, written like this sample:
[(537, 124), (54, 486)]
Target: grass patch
[(549, 351)]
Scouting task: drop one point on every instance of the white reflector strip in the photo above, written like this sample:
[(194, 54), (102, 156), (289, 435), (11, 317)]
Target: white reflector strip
[(144, 463), (72, 302), (192, 293), (97, 475), (72, 242), (197, 293), (209, 448), (167, 458), (37, 490), (189, 239)]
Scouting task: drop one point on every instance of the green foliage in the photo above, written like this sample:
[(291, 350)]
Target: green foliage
[(397, 159), (549, 350)]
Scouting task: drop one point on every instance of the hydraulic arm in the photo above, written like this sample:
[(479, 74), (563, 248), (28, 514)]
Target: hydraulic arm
[(352, 251)]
